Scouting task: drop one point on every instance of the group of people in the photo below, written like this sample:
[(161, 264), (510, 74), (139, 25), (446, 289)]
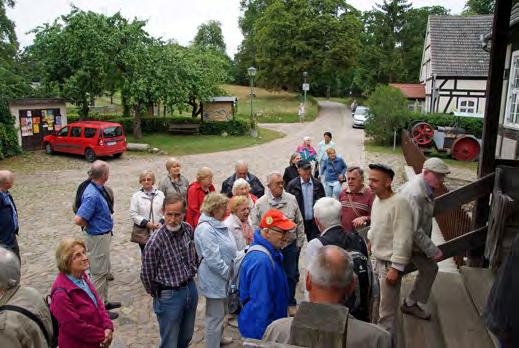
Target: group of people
[(193, 240)]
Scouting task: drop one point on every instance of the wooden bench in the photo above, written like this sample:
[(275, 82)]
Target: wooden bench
[(184, 128)]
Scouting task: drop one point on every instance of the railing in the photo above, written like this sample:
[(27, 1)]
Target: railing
[(452, 209)]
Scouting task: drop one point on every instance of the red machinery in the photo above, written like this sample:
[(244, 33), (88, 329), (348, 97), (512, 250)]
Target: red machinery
[(453, 140)]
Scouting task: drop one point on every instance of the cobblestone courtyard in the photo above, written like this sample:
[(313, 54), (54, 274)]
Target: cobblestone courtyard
[(45, 188)]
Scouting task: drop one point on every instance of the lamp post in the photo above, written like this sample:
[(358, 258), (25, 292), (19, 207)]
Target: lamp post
[(305, 75), (252, 72)]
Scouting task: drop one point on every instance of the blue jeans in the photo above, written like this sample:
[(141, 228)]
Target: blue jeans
[(332, 189), (176, 311), (291, 266)]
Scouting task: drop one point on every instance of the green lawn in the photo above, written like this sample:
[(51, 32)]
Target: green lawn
[(193, 144)]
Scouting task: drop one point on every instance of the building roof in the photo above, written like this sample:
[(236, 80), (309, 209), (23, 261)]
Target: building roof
[(223, 99), (411, 90), (36, 101), (514, 16), (456, 47)]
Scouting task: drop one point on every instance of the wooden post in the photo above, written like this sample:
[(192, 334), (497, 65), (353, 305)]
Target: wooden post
[(320, 325), (487, 161)]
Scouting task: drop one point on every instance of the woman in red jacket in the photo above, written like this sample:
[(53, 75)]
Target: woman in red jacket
[(81, 314), (196, 194)]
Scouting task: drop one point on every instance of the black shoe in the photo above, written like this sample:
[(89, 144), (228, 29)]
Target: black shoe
[(113, 315), (112, 305), (110, 277)]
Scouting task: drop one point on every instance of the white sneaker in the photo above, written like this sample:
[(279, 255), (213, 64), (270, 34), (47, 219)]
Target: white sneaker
[(225, 340)]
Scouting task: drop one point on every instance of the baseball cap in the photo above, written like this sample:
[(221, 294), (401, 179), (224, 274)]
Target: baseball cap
[(274, 218), (383, 168), (304, 164), (436, 165)]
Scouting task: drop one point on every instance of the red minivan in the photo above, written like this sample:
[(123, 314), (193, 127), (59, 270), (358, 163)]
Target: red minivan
[(88, 138)]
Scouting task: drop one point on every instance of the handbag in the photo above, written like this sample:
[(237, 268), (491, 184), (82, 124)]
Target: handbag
[(140, 234), (338, 174)]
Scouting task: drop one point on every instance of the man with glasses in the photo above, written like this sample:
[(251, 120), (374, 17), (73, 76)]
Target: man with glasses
[(419, 193), (169, 264), (264, 291), (278, 198)]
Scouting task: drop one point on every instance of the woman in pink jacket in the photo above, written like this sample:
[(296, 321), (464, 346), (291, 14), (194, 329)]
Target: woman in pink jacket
[(83, 320)]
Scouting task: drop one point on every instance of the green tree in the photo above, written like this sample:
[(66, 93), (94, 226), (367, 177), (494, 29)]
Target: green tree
[(210, 36), (479, 7)]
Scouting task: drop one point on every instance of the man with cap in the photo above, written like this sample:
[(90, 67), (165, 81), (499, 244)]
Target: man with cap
[(263, 284), (307, 191), (419, 193), (391, 240)]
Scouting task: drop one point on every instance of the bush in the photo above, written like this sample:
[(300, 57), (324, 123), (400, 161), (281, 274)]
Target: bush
[(8, 141), (388, 112), (161, 124)]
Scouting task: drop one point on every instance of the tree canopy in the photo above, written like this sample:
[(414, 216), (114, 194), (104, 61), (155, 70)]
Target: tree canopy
[(479, 7), (209, 35)]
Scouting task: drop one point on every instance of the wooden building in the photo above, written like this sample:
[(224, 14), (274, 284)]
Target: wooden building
[(220, 109), (454, 65), (35, 118), (415, 94)]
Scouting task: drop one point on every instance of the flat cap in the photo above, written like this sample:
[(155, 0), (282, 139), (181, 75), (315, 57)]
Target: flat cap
[(383, 168), (436, 165), (304, 164)]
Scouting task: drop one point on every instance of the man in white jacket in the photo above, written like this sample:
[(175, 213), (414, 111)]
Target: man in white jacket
[(419, 193)]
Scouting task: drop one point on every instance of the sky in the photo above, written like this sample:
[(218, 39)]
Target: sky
[(169, 19)]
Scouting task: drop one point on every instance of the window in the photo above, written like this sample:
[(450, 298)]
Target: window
[(63, 132), (90, 132), (512, 102), (75, 132), (467, 105), (112, 132)]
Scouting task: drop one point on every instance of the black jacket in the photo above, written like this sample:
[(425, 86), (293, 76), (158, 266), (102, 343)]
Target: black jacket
[(346, 240), (8, 229), (289, 175), (294, 187), (256, 187)]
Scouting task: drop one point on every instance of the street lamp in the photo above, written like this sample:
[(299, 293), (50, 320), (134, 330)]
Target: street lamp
[(305, 88), (252, 72)]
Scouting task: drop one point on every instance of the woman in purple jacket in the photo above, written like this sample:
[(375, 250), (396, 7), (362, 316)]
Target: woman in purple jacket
[(83, 320)]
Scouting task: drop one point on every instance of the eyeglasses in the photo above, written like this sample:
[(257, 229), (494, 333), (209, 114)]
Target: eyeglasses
[(278, 231)]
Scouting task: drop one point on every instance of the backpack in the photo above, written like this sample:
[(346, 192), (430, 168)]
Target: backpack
[(360, 301), (79, 194), (233, 291)]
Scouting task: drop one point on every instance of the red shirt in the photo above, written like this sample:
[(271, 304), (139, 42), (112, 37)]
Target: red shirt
[(354, 205), (195, 197)]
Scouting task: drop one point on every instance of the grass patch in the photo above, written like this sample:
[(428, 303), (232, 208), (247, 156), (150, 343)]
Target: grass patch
[(194, 144)]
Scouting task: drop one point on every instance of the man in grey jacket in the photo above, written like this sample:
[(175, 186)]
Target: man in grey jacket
[(419, 193), (278, 198)]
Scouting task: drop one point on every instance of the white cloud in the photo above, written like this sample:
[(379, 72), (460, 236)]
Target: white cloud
[(169, 19)]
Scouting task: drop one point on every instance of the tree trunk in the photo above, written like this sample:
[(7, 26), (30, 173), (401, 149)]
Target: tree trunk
[(328, 89), (126, 108), (137, 129), (149, 109), (83, 110), (111, 99)]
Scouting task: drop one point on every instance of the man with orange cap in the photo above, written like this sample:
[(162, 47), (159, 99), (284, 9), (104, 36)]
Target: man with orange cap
[(264, 290)]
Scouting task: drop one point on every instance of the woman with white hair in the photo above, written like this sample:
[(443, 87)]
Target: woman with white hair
[(242, 188), (216, 247), (174, 182), (146, 209), (306, 149), (238, 221)]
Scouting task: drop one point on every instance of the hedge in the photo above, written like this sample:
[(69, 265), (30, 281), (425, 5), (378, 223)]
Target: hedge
[(8, 141), (161, 124)]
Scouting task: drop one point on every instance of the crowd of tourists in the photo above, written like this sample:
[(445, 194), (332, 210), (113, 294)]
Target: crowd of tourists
[(240, 249)]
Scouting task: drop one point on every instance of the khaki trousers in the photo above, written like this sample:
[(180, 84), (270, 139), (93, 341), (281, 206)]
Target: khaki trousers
[(427, 270), (98, 252), (389, 296)]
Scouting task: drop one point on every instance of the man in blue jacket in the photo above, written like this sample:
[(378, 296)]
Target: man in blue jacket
[(263, 283), (8, 213)]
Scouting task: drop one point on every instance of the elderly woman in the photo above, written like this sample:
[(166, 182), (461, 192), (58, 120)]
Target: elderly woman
[(81, 314), (306, 150), (238, 222), (333, 173), (291, 170), (196, 194), (174, 182), (242, 188), (216, 247), (146, 209)]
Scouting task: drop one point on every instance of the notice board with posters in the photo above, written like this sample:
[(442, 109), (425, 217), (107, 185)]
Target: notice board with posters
[(37, 123)]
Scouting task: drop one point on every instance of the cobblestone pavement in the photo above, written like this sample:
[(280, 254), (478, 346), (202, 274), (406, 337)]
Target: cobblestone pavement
[(44, 196)]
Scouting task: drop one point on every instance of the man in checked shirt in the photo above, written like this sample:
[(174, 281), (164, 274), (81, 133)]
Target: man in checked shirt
[(169, 263)]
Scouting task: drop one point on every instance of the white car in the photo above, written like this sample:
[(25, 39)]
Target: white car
[(359, 116)]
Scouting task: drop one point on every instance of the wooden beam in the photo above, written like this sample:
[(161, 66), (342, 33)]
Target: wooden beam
[(507, 162), (464, 194), (457, 246)]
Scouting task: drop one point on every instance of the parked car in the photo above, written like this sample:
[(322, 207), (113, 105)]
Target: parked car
[(91, 139), (360, 115)]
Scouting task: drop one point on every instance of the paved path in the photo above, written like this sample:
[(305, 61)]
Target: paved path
[(44, 199)]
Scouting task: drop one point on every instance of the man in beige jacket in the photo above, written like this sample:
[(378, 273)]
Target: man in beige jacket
[(17, 330), (391, 240), (419, 193)]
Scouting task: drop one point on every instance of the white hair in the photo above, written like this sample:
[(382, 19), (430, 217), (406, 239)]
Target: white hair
[(306, 138), (9, 269), (271, 175), (329, 272), (238, 183), (240, 163), (5, 177), (328, 211)]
